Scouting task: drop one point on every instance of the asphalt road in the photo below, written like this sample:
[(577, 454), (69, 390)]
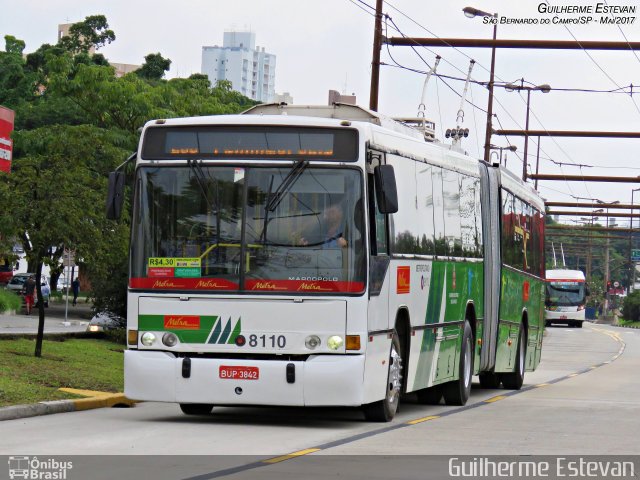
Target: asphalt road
[(583, 399)]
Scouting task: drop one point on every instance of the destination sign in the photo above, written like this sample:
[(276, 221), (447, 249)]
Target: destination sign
[(250, 142)]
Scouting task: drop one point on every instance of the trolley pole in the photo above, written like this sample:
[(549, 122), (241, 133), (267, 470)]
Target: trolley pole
[(375, 62)]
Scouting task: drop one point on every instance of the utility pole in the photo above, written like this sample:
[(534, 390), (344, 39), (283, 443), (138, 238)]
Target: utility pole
[(375, 62)]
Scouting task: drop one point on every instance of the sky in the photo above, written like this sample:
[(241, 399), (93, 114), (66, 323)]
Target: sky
[(328, 45)]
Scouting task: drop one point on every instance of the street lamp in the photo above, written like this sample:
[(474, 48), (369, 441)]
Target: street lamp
[(544, 88), (471, 12), (510, 148)]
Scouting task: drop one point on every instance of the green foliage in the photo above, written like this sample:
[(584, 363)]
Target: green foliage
[(154, 67), (631, 307), (92, 32), (9, 301), (75, 122), (13, 45)]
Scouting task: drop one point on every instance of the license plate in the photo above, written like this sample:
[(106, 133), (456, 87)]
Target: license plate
[(239, 373)]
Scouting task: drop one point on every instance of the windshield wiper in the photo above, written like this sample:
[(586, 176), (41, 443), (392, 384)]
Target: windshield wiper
[(274, 199)]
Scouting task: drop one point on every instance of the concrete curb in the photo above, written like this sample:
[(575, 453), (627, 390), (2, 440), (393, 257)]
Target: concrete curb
[(62, 406)]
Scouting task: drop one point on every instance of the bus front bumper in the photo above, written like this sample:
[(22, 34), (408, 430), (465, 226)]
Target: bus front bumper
[(322, 380), (575, 315)]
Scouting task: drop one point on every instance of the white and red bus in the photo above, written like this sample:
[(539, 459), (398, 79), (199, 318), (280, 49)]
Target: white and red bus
[(566, 297)]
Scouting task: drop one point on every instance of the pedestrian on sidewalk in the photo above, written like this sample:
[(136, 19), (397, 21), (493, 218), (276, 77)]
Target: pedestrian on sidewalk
[(29, 291), (75, 286)]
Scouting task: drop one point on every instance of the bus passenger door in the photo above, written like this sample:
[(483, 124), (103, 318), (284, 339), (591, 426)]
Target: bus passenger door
[(489, 186), (378, 316), (378, 322)]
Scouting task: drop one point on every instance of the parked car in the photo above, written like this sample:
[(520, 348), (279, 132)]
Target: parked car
[(6, 271), (103, 321), (16, 284)]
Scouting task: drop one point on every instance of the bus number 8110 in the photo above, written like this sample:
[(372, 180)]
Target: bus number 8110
[(271, 341)]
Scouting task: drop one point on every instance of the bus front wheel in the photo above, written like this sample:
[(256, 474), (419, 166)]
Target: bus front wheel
[(196, 408), (384, 410), (458, 391)]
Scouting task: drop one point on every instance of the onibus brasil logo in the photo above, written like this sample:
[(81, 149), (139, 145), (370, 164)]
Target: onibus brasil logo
[(35, 469)]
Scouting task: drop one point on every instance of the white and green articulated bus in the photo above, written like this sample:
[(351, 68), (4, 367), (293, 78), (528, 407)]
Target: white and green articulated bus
[(325, 256)]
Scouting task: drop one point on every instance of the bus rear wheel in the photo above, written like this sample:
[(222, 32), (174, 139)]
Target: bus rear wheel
[(515, 379), (384, 410), (196, 408), (458, 391)]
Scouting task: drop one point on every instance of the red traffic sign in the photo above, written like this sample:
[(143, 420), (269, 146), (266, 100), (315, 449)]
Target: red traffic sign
[(6, 145)]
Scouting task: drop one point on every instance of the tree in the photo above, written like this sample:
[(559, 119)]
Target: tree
[(75, 121), (154, 67), (16, 85), (55, 193), (92, 32)]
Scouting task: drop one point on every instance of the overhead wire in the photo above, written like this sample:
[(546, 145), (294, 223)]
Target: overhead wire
[(440, 77), (597, 64)]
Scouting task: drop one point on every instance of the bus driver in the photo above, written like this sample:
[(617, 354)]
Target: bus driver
[(333, 229)]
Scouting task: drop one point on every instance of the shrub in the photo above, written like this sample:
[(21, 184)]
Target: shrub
[(9, 301), (631, 307)]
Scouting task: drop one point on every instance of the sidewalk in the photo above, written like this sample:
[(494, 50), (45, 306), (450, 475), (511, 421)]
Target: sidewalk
[(77, 319)]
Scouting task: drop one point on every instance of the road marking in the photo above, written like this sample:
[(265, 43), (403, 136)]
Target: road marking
[(423, 419), (379, 431), (543, 385), (495, 399), (284, 458)]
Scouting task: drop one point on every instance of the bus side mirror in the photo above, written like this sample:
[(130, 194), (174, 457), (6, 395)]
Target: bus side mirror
[(386, 191), (115, 195)]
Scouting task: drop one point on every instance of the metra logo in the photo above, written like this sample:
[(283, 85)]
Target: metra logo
[(208, 284), (403, 279), (313, 287), (182, 322), (223, 334), (267, 286), (165, 284)]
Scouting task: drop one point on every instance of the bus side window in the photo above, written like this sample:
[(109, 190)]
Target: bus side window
[(379, 260)]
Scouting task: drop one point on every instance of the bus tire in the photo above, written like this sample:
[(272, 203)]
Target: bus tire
[(430, 396), (515, 379), (458, 391), (196, 408), (489, 380), (579, 324), (384, 410)]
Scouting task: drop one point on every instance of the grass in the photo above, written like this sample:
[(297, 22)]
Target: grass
[(9, 301), (628, 323), (89, 364)]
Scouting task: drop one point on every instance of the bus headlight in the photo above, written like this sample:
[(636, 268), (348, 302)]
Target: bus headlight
[(170, 339), (147, 339), (312, 341), (335, 342)]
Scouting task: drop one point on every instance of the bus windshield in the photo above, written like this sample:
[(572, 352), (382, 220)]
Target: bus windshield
[(565, 294), (262, 229)]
